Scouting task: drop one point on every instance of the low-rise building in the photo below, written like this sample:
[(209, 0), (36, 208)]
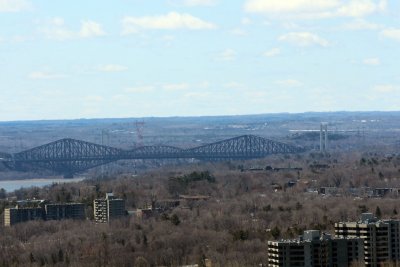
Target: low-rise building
[(382, 192), (332, 191)]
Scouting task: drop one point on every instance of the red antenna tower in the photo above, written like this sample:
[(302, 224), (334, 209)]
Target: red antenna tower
[(139, 125)]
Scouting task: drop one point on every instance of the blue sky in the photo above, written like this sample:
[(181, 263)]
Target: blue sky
[(138, 58)]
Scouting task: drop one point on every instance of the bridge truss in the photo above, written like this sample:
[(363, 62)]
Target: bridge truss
[(69, 156)]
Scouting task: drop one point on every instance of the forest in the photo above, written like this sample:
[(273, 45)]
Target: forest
[(243, 210)]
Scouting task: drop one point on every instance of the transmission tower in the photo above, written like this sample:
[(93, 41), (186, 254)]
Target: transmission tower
[(323, 142), (139, 125)]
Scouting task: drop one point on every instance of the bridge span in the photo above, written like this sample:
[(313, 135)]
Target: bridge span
[(69, 156)]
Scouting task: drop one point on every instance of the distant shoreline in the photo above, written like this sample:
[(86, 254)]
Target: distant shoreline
[(177, 117), (12, 185)]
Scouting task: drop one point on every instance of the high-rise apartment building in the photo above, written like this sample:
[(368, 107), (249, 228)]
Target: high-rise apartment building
[(314, 250), (108, 208), (381, 238)]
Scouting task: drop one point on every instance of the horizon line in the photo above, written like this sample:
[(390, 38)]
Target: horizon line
[(197, 116)]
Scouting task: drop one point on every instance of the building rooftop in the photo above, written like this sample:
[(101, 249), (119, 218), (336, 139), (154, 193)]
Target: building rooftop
[(109, 195), (311, 235), (27, 203), (369, 218)]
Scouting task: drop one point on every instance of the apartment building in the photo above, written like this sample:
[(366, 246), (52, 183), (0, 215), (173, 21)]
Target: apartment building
[(108, 208), (75, 211), (381, 238), (29, 210), (17, 215), (314, 249)]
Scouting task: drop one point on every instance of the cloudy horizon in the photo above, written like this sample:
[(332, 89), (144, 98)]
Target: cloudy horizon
[(132, 58)]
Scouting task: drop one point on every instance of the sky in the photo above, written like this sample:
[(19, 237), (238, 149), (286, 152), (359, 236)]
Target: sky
[(141, 58)]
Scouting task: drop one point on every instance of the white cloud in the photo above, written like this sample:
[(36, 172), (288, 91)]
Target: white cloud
[(176, 87), (372, 61), (289, 6), (386, 88), (93, 99), (14, 5), (170, 87), (168, 38), (58, 33), (199, 2), (303, 39), (197, 95), (140, 89), (112, 68), (314, 9), (57, 21), (171, 21), (227, 55), (246, 21), (392, 33), (57, 30), (238, 32), (291, 26), (273, 52), (204, 85), (42, 75), (234, 85), (91, 29), (289, 83), (16, 39), (357, 8), (382, 5), (361, 24)]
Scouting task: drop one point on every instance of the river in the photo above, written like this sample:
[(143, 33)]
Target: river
[(12, 185)]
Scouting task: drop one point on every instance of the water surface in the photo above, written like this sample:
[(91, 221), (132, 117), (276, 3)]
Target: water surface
[(12, 185)]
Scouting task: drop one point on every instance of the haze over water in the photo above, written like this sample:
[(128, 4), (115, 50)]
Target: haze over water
[(13, 185)]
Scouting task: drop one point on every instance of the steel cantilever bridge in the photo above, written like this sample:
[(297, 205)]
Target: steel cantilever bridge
[(69, 156)]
